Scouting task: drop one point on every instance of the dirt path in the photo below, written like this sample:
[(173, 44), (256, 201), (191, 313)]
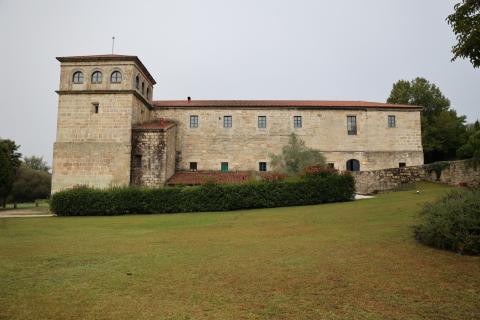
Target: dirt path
[(24, 213)]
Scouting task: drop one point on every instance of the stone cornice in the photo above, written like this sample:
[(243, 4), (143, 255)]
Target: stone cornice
[(134, 92)]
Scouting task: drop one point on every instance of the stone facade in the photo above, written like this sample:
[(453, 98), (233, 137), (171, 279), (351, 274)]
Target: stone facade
[(152, 161), (244, 145), (456, 173), (111, 133), (94, 122)]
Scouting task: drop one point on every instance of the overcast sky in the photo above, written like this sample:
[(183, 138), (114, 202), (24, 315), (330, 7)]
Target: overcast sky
[(245, 49)]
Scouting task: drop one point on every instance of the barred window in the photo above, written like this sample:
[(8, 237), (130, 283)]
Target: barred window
[(97, 77), (262, 121), (297, 121), (193, 121), (352, 125), (227, 121), (78, 77), (391, 122), (193, 166), (116, 77), (262, 166)]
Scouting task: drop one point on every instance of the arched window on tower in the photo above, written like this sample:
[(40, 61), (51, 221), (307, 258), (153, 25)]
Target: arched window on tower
[(143, 87), (148, 93), (137, 82), (77, 77), (97, 77), (116, 77), (353, 165)]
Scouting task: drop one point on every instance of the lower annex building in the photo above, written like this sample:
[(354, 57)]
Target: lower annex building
[(111, 133)]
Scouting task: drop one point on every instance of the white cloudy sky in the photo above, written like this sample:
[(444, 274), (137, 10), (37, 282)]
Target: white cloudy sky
[(220, 49)]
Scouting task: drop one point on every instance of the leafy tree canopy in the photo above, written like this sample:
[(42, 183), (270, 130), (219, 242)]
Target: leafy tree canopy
[(443, 131), (420, 92), (9, 162), (465, 22), (36, 163), (296, 156), (30, 185), (471, 149)]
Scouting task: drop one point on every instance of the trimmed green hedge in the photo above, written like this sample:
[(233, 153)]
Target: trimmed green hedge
[(452, 223), (313, 189)]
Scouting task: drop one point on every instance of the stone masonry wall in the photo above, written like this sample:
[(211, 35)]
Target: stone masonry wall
[(244, 145), (148, 157), (457, 173), (153, 156)]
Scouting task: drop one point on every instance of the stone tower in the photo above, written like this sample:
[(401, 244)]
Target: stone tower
[(101, 98)]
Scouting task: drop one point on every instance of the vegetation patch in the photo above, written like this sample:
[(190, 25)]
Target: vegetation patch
[(453, 222), (312, 188)]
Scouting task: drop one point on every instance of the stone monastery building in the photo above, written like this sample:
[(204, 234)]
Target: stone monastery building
[(111, 133)]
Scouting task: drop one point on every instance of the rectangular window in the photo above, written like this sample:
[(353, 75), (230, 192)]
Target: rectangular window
[(297, 121), (193, 121), (227, 121), (193, 166), (391, 121), (262, 166), (262, 122), (224, 167), (95, 107), (402, 164), (137, 161), (331, 165), (352, 125)]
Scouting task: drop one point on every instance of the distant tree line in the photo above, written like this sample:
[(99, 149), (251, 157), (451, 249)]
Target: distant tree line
[(22, 180)]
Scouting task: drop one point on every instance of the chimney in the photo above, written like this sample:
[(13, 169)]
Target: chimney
[(189, 99)]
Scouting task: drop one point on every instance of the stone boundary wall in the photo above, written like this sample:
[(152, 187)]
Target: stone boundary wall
[(457, 173)]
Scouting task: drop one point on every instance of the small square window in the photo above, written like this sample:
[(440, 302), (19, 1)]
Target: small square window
[(331, 165), (391, 122), (227, 121), (193, 121), (402, 164), (352, 125), (193, 166), (224, 167), (297, 121), (262, 166), (262, 122)]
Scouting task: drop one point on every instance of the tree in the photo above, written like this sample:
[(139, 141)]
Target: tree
[(9, 163), (296, 156), (465, 22), (420, 92), (30, 185), (36, 163), (471, 149), (443, 131)]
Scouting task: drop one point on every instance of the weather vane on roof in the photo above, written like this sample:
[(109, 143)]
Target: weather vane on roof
[(113, 43)]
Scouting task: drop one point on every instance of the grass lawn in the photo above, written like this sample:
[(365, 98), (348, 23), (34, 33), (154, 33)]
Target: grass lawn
[(355, 260)]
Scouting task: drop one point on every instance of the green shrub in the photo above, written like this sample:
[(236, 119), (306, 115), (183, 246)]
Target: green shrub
[(452, 223), (210, 197)]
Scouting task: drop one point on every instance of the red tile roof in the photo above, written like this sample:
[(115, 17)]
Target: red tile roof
[(108, 57), (278, 103), (202, 177)]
